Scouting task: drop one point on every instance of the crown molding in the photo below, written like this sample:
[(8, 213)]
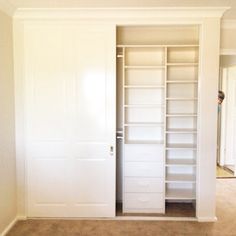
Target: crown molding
[(228, 24), (6, 7), (119, 13)]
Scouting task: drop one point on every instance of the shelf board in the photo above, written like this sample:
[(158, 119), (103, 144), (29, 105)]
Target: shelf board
[(143, 142), (182, 64), (180, 162), (156, 45), (145, 67), (181, 146), (181, 131), (144, 105), (182, 115), (145, 124), (182, 81), (181, 99), (180, 178), (119, 56), (180, 194), (144, 86)]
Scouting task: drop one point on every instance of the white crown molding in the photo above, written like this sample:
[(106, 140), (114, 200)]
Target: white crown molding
[(120, 13), (6, 7), (228, 24)]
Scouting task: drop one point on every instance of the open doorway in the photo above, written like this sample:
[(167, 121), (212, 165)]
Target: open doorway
[(226, 160)]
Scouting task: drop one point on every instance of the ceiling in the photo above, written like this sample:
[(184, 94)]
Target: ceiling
[(15, 4)]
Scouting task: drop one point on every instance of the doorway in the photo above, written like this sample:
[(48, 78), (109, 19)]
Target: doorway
[(226, 161)]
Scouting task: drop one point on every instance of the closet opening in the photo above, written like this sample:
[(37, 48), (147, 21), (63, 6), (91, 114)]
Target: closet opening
[(157, 120)]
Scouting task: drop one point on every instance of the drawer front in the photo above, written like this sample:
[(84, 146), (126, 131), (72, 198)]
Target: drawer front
[(143, 169), (144, 201), (144, 152), (143, 185)]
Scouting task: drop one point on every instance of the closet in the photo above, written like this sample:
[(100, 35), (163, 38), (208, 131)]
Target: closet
[(157, 124)]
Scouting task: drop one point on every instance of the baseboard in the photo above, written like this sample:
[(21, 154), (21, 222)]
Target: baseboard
[(207, 219), (8, 228), (21, 218)]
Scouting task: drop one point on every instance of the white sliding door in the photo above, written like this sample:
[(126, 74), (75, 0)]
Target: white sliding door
[(70, 120)]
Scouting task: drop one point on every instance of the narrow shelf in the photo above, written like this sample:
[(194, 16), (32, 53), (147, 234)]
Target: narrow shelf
[(180, 178), (145, 67), (181, 131), (144, 105), (182, 81), (180, 194), (180, 162), (183, 64), (182, 115), (144, 142), (181, 99), (145, 124), (156, 45), (181, 146), (144, 86), (120, 56)]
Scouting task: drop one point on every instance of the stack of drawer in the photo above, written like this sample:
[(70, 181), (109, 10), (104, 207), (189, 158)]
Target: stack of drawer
[(143, 190)]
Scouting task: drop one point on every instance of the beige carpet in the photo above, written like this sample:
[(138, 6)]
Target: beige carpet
[(225, 226)]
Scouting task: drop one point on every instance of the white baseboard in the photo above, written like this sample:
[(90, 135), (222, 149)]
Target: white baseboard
[(21, 218), (207, 219), (8, 228)]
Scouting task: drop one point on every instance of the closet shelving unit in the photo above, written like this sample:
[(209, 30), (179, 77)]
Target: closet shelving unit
[(160, 96), (181, 122)]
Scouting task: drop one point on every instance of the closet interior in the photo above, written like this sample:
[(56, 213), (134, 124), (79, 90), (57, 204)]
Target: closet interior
[(157, 119)]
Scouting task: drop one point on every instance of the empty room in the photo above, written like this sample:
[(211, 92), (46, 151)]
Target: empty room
[(117, 117)]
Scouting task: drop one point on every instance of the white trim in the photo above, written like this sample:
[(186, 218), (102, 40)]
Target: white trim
[(228, 24), (207, 219), (6, 7), (123, 218), (120, 13), (227, 51), (22, 218), (9, 227)]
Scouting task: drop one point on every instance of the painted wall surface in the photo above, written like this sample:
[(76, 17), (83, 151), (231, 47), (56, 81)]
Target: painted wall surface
[(228, 38), (7, 129)]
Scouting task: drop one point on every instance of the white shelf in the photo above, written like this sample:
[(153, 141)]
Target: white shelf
[(181, 131), (182, 64), (182, 115), (144, 105), (180, 178), (156, 45), (182, 81), (181, 99), (143, 142), (145, 124), (145, 67), (180, 162), (181, 146), (180, 194), (144, 86), (120, 56)]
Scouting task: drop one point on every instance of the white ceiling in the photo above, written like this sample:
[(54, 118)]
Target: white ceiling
[(14, 4)]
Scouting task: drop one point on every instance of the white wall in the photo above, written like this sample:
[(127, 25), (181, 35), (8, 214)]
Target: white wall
[(7, 129)]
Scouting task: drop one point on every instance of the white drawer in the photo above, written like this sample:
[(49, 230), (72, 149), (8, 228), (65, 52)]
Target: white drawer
[(143, 185), (144, 201), (144, 152), (143, 169)]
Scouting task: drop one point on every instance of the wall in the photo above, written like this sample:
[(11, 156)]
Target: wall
[(7, 130), (228, 37)]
